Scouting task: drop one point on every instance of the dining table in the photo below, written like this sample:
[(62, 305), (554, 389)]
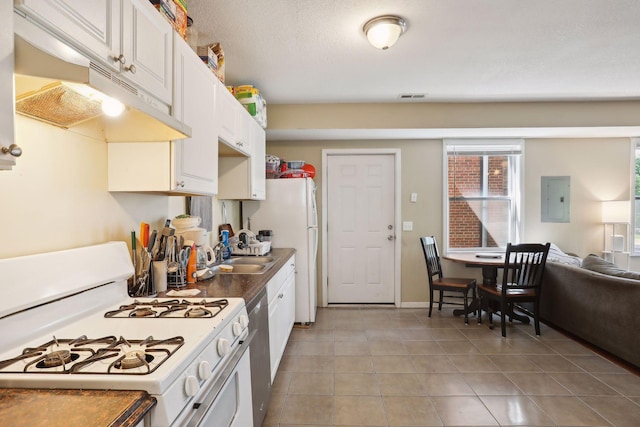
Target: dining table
[(489, 262)]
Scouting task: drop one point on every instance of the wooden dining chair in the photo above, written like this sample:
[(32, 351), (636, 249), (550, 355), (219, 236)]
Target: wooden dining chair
[(521, 282), (441, 283)]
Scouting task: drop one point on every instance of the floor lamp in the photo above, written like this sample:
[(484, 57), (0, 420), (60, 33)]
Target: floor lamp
[(615, 217)]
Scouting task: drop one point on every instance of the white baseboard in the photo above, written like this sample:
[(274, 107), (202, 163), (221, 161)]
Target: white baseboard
[(401, 305), (416, 304)]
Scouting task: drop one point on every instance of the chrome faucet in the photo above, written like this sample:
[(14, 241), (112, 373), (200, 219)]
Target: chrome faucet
[(218, 250)]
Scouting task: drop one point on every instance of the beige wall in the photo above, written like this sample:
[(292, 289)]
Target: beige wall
[(56, 196), (454, 115), (599, 170)]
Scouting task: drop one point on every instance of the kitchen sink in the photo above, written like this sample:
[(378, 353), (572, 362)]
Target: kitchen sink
[(247, 269), (246, 265), (250, 260)]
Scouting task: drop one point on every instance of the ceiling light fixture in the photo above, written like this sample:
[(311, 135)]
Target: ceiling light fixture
[(383, 31)]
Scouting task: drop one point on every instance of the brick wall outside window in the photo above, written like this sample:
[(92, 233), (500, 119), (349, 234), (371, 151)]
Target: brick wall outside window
[(465, 177)]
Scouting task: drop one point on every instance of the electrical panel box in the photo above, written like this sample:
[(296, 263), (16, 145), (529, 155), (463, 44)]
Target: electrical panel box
[(555, 203)]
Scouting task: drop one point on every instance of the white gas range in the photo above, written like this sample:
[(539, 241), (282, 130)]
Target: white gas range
[(66, 321)]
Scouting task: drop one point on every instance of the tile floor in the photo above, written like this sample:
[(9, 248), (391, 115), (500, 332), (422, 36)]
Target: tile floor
[(396, 367)]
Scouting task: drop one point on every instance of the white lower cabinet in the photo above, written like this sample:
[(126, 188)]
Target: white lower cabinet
[(282, 311)]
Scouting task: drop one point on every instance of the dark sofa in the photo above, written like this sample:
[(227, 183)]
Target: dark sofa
[(602, 309)]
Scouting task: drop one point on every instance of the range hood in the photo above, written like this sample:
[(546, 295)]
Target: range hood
[(48, 72)]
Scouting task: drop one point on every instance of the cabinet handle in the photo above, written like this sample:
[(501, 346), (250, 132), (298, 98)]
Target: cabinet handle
[(131, 68), (281, 296), (120, 58), (180, 184)]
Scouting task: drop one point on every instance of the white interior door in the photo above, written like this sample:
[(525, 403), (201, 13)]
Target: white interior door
[(361, 228)]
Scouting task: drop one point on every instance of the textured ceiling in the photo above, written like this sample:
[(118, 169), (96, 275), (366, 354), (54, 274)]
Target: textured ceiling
[(314, 51)]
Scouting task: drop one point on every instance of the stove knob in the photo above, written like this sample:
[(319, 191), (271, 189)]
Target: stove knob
[(244, 321), (191, 386), (237, 329), (204, 370), (223, 347)]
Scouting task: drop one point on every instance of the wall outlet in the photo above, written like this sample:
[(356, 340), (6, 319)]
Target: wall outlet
[(407, 225)]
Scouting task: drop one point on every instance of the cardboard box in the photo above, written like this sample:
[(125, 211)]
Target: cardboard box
[(174, 12), (213, 56), (208, 56)]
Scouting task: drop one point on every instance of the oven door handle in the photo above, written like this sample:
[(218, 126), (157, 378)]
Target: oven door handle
[(211, 393)]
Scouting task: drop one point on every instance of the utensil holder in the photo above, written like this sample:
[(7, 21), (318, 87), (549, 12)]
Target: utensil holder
[(176, 279), (160, 275)]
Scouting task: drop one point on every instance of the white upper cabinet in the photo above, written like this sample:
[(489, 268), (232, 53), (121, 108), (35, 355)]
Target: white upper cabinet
[(258, 166), (232, 130), (185, 166), (7, 98), (147, 46), (92, 27), (243, 177), (242, 150), (128, 36), (195, 159)]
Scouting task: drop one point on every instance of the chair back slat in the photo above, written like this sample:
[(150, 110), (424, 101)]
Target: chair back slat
[(430, 250), (524, 266)]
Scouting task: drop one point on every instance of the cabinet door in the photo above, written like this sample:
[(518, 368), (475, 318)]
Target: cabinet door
[(274, 334), (258, 167), (93, 27), (231, 129), (147, 47), (195, 159), (287, 310), (7, 98)]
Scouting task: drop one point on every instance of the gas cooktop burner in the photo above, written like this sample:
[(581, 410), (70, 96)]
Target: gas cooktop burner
[(94, 356), (170, 308), (56, 358)]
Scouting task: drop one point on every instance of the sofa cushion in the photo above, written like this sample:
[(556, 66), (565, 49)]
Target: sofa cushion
[(557, 255), (595, 263)]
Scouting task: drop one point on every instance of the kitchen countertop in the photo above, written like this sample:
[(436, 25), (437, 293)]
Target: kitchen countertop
[(233, 285), (72, 408), (80, 408)]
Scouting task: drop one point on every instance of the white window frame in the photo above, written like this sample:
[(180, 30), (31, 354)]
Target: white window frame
[(487, 146)]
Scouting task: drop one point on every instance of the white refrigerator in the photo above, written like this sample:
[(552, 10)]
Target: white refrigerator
[(290, 212)]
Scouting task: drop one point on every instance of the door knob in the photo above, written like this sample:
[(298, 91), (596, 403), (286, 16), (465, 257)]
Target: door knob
[(390, 237)]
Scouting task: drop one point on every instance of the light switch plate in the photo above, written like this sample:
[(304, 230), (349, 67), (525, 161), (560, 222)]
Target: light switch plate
[(407, 225), (414, 197)]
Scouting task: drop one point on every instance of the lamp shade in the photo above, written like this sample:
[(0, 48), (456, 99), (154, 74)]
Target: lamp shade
[(616, 211), (383, 31)]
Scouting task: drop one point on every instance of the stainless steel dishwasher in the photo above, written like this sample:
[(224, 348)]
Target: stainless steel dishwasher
[(259, 356)]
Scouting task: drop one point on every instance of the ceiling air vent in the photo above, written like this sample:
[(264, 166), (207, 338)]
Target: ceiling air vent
[(412, 96)]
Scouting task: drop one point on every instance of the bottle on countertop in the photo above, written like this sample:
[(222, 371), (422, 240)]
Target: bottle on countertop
[(224, 238), (192, 265)]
